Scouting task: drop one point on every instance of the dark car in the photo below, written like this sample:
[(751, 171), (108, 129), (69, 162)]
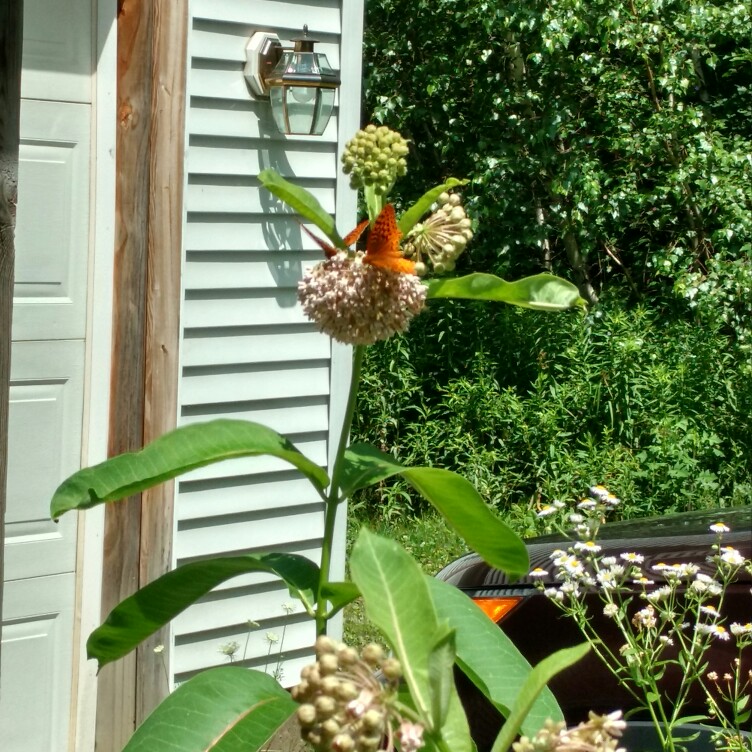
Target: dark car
[(538, 627)]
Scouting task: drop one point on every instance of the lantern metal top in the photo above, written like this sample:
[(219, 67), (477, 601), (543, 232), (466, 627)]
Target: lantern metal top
[(291, 76)]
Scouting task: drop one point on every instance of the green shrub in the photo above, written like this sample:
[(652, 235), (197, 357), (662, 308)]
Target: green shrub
[(531, 407)]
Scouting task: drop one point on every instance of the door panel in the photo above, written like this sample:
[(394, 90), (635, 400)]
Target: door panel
[(36, 664), (46, 394), (53, 222)]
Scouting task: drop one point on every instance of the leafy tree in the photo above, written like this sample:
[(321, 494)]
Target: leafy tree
[(614, 141)]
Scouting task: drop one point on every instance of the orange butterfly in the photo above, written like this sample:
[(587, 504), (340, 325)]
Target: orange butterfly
[(382, 247)]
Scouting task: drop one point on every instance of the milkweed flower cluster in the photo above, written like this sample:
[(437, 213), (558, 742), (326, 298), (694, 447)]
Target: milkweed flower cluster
[(667, 613), (359, 304), (348, 701), (600, 733), (442, 237)]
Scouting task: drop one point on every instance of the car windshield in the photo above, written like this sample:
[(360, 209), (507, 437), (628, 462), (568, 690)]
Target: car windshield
[(684, 523)]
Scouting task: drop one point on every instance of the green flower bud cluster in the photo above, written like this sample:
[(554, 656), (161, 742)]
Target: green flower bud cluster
[(375, 156), (344, 704), (441, 238)]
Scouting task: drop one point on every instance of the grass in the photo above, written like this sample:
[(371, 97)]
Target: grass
[(427, 538)]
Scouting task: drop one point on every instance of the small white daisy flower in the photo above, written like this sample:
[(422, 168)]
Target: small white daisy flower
[(589, 546), (598, 491), (741, 629), (607, 580), (715, 630), (719, 527), (643, 581), (632, 557), (660, 594), (710, 610), (538, 572), (732, 557)]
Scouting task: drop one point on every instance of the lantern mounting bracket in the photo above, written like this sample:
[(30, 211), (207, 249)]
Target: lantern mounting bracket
[(262, 54)]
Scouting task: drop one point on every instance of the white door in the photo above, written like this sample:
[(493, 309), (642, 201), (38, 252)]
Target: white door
[(47, 368)]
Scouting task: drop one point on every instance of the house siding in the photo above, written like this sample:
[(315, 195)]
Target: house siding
[(247, 351)]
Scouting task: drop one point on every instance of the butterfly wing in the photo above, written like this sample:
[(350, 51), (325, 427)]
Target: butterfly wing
[(382, 249), (352, 237)]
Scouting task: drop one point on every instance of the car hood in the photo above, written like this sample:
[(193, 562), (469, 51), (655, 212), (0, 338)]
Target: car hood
[(684, 537)]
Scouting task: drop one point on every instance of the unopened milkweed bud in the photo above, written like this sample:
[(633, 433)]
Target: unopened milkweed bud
[(375, 156)]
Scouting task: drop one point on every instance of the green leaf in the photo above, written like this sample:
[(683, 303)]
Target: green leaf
[(452, 495), (227, 709), (689, 719), (149, 609), (489, 658), (398, 602), (441, 676), (339, 594), (533, 686), (543, 292), (175, 453), (423, 205), (303, 202)]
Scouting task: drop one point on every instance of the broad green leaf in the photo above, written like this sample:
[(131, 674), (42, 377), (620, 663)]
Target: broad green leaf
[(543, 292), (175, 453), (227, 709), (339, 594), (489, 658), (452, 495), (135, 618), (303, 202), (412, 216), (441, 675), (399, 603), (533, 686)]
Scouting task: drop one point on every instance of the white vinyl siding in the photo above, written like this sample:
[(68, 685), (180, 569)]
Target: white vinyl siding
[(247, 351)]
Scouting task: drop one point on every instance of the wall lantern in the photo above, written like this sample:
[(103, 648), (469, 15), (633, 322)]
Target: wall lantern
[(299, 82)]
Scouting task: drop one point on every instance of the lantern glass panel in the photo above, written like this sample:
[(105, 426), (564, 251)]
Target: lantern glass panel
[(324, 110)]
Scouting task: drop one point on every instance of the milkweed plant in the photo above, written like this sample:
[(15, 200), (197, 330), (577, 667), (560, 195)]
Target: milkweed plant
[(349, 701), (667, 615)]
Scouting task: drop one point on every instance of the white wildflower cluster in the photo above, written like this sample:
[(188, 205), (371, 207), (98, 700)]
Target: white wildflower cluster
[(348, 701), (375, 157), (600, 733), (441, 238), (666, 612), (358, 303)]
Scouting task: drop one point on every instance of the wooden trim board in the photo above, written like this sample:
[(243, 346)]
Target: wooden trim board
[(151, 68)]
